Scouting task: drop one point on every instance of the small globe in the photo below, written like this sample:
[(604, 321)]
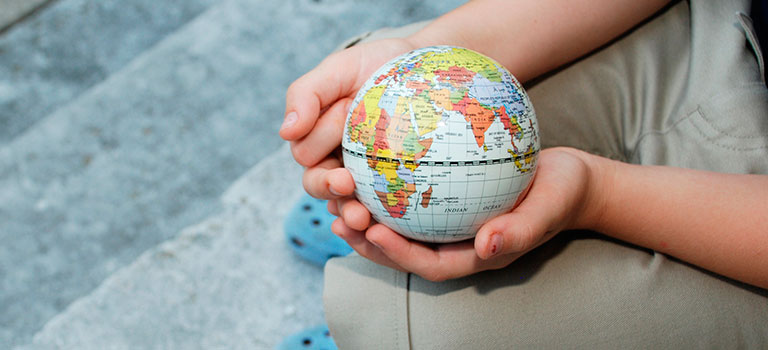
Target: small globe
[(440, 140)]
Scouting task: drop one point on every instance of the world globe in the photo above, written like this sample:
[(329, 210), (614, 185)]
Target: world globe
[(440, 140)]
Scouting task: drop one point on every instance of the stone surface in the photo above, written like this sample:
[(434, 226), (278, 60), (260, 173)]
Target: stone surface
[(12, 11), (229, 282), (148, 150), (59, 52)]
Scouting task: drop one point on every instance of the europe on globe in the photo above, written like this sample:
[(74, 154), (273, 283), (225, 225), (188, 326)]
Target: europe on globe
[(439, 140)]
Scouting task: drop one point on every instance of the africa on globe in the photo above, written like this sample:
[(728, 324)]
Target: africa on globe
[(440, 140)]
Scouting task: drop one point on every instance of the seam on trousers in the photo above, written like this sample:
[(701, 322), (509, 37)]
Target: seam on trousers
[(393, 305), (714, 142), (642, 137), (400, 309), (408, 309), (725, 97), (749, 31)]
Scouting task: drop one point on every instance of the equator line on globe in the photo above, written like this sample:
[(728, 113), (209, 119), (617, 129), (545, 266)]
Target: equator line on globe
[(438, 141)]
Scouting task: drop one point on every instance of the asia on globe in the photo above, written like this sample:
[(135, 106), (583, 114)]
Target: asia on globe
[(440, 140)]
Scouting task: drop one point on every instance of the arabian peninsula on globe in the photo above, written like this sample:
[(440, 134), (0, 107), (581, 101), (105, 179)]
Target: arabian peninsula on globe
[(440, 140)]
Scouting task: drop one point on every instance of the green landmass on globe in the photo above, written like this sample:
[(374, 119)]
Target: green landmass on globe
[(448, 126)]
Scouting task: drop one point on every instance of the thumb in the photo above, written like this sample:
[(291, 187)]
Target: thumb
[(526, 227), (317, 90)]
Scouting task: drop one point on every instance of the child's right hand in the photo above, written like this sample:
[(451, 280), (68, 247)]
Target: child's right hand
[(316, 109), (317, 103)]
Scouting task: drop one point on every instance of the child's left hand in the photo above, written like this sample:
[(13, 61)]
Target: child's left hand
[(560, 197)]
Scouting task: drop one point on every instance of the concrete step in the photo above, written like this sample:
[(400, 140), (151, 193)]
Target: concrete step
[(146, 152), (229, 282), (14, 11), (51, 57)]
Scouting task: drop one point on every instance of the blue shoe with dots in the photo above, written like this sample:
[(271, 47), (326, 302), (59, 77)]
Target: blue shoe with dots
[(317, 338), (308, 231)]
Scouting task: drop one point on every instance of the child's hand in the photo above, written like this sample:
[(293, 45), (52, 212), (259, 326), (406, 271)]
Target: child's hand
[(317, 103), (560, 197)]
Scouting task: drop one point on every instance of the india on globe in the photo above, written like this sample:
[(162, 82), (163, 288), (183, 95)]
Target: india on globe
[(440, 140)]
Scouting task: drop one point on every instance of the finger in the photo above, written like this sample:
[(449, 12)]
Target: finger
[(332, 79), (356, 240), (324, 137), (446, 261), (355, 214), (328, 181), (333, 207)]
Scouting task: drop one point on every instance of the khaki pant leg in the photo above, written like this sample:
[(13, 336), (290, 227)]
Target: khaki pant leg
[(577, 291)]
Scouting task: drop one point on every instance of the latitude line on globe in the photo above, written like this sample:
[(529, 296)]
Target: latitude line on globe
[(447, 163)]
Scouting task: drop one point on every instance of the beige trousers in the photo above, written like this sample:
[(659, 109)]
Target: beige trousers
[(684, 89)]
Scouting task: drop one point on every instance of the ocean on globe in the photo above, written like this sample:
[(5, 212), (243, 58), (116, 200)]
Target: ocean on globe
[(440, 140)]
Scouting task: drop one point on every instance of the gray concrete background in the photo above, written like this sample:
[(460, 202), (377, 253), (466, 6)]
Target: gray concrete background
[(122, 123), (226, 283), (12, 11), (54, 56)]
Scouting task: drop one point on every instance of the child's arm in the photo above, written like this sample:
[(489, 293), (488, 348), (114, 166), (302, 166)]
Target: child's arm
[(532, 37), (713, 220)]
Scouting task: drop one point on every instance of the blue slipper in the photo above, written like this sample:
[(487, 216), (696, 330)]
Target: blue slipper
[(308, 231), (318, 338)]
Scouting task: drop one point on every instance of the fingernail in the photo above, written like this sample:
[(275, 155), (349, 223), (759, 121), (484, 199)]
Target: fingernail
[(333, 192), (290, 119), (376, 244), (496, 242)]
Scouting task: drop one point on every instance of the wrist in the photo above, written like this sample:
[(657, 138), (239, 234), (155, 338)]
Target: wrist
[(598, 186)]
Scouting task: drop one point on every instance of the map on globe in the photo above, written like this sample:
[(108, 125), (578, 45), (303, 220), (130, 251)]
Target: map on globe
[(439, 140)]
